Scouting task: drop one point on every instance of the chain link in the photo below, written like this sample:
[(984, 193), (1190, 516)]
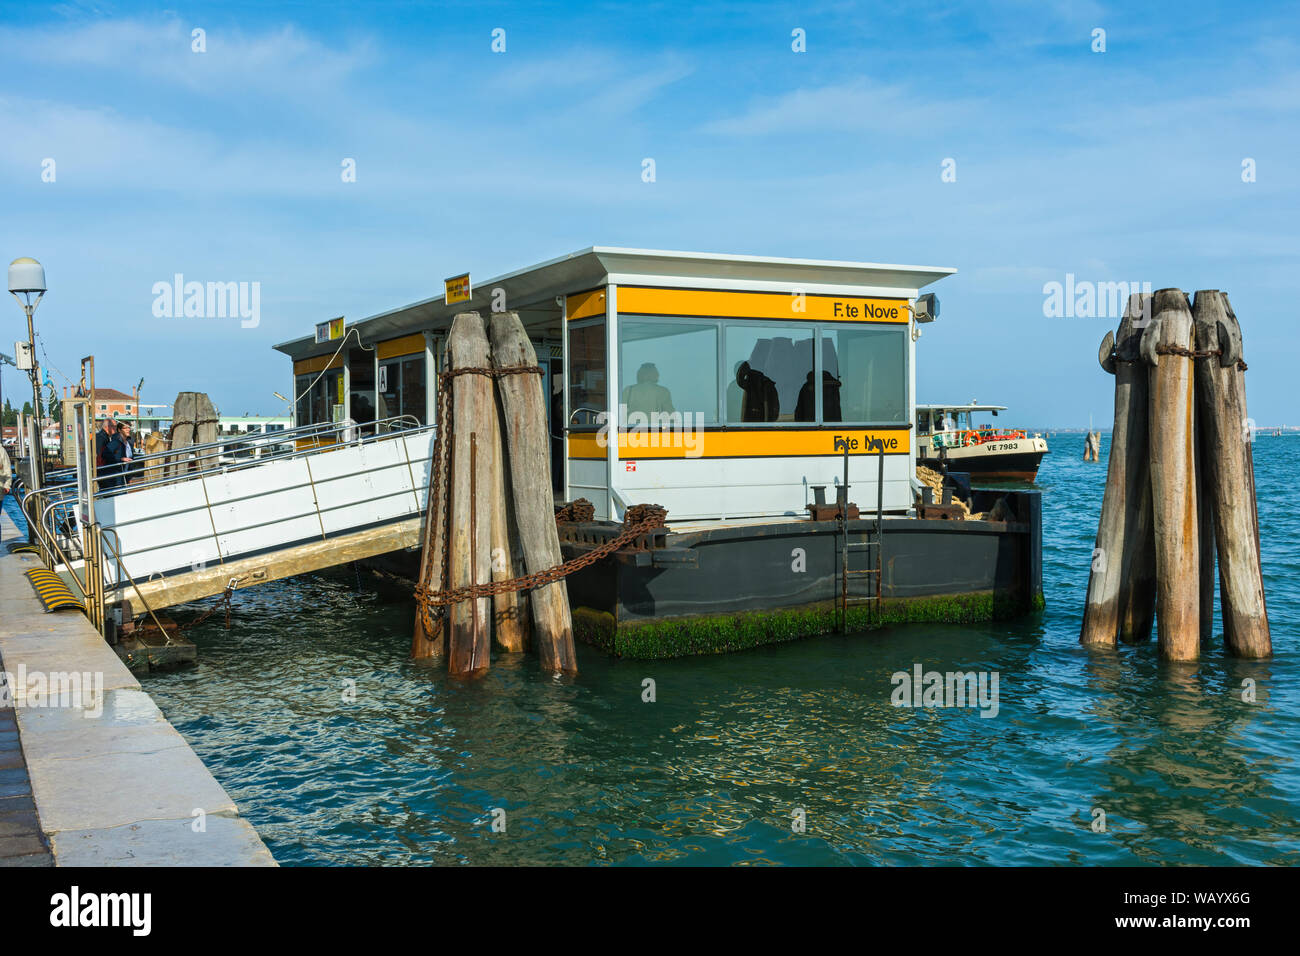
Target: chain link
[(433, 601), (223, 602), (1195, 353)]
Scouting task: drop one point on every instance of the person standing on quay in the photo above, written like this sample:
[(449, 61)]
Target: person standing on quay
[(124, 454), (6, 474), (105, 465)]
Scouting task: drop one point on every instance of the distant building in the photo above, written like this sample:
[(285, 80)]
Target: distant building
[(109, 401)]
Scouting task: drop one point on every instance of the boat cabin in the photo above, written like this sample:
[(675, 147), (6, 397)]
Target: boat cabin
[(719, 386), (971, 417)]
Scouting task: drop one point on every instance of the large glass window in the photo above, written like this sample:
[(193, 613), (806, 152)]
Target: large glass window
[(864, 375), (771, 373), (668, 368), (401, 387), (361, 385), (316, 401), (586, 371)]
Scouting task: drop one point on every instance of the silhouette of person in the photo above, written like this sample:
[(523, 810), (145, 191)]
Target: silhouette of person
[(762, 404), (805, 410), (647, 395)]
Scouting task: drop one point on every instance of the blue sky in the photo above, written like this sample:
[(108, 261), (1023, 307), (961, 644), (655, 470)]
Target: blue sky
[(225, 166)]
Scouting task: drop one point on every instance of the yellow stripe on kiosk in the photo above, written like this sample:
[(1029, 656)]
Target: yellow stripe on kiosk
[(743, 443), (634, 300)]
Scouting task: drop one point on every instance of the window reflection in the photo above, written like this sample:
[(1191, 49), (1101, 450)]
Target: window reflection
[(586, 372), (869, 367), (401, 387), (769, 367), (317, 396), (668, 368)]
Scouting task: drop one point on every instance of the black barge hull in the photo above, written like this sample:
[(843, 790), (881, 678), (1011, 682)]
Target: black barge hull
[(730, 587)]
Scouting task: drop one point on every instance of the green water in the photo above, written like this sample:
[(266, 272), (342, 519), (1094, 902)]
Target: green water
[(410, 768)]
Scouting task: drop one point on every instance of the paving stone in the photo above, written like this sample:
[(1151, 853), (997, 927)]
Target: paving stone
[(31, 859), (106, 775), (226, 841), (22, 844)]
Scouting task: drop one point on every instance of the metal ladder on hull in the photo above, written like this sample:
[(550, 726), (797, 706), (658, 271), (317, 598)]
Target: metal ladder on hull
[(874, 546)]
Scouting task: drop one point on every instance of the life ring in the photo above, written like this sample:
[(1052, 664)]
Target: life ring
[(972, 438)]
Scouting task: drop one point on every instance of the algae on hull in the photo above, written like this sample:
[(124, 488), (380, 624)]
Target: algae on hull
[(722, 633)]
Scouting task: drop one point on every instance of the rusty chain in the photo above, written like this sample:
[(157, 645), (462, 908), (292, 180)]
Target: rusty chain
[(1195, 353), (223, 602), (1176, 350), (638, 519), (580, 509)]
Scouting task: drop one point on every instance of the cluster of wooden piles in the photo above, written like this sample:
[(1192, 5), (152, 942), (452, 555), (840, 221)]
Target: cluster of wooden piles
[(1180, 486), (194, 422), (491, 511)]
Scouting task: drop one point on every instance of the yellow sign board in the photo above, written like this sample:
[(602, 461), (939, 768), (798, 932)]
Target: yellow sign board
[(326, 331), (634, 300), (456, 289)]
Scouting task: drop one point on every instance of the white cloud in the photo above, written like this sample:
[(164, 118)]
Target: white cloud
[(854, 105), (280, 63)]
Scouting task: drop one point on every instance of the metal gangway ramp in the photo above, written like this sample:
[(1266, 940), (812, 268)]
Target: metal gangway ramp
[(240, 511)]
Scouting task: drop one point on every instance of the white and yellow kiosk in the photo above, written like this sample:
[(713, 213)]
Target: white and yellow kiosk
[(726, 388)]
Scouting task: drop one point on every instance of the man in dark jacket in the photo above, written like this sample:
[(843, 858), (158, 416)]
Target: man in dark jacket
[(105, 465)]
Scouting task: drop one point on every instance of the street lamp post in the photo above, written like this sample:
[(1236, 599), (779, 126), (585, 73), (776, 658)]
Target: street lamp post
[(27, 278)]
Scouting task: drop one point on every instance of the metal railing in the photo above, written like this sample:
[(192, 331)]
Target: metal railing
[(969, 437), (209, 532), (51, 510), (233, 452), (200, 461)]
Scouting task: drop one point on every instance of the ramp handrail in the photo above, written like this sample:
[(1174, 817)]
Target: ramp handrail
[(207, 531), (52, 544), (323, 435), (117, 563)]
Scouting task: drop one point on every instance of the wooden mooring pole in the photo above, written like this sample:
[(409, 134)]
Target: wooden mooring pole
[(509, 622), (1229, 484), (473, 414), (425, 644), (528, 442), (1121, 589), (1166, 349)]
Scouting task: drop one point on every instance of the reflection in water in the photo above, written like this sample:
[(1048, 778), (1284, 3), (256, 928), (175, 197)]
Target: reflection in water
[(712, 771)]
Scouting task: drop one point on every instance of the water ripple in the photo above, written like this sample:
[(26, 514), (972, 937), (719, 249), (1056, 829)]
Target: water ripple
[(342, 752)]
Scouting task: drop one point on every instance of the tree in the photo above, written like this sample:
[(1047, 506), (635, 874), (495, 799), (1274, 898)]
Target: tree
[(8, 416), (27, 408)]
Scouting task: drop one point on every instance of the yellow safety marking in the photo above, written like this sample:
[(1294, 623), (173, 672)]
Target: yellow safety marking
[(54, 594)]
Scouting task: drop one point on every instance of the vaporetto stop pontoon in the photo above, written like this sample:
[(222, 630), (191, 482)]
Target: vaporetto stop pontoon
[(767, 403), (738, 392)]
